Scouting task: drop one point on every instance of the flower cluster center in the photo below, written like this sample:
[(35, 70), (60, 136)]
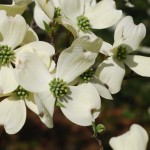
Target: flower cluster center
[(21, 93), (83, 23), (88, 75), (57, 12), (58, 87), (7, 55), (121, 53)]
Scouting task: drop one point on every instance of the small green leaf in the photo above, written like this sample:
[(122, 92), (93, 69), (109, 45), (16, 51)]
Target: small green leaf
[(47, 27)]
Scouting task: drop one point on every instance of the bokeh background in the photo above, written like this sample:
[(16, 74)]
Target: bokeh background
[(129, 106)]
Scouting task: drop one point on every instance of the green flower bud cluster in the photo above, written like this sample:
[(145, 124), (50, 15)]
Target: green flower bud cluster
[(57, 12), (7, 55), (121, 53), (83, 23), (21, 93), (58, 87), (88, 75)]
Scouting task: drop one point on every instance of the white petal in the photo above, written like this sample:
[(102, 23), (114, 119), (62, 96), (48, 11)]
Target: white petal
[(42, 49), (111, 72), (134, 139), (47, 6), (102, 90), (139, 64), (30, 36), (129, 33), (52, 66), (31, 104), (104, 14), (13, 30), (144, 50), (105, 49), (72, 8), (70, 25), (82, 104), (40, 17), (4, 18), (31, 73), (56, 3), (46, 104), (12, 115), (73, 62), (7, 80), (89, 43), (13, 9), (89, 4)]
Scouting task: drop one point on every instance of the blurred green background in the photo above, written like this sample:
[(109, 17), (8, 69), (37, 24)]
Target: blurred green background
[(129, 106)]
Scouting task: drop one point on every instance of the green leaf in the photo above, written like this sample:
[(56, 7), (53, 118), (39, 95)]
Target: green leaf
[(47, 27)]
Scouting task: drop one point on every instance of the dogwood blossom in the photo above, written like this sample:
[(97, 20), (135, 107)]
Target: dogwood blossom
[(134, 139), (84, 15), (14, 31), (72, 63), (127, 38)]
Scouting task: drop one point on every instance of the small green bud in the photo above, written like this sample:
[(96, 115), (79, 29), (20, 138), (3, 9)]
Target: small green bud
[(100, 128), (7, 55), (83, 23)]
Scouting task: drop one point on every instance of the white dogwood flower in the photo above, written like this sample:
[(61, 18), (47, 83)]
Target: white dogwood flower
[(81, 16), (83, 99), (134, 139), (13, 110), (14, 31), (127, 39)]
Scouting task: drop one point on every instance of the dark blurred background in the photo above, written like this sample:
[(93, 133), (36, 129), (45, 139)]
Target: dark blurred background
[(129, 106)]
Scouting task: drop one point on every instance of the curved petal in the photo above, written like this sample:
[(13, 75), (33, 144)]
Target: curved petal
[(72, 8), (7, 80), (70, 25), (105, 49), (4, 18), (13, 31), (82, 104), (102, 90), (139, 64), (134, 139), (13, 9), (104, 14), (46, 103), (42, 49), (31, 104), (40, 17), (47, 6), (56, 3), (31, 73), (12, 115), (30, 36), (111, 72), (129, 33), (73, 62), (89, 43)]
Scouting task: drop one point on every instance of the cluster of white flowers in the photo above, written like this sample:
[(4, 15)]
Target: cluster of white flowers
[(29, 76)]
